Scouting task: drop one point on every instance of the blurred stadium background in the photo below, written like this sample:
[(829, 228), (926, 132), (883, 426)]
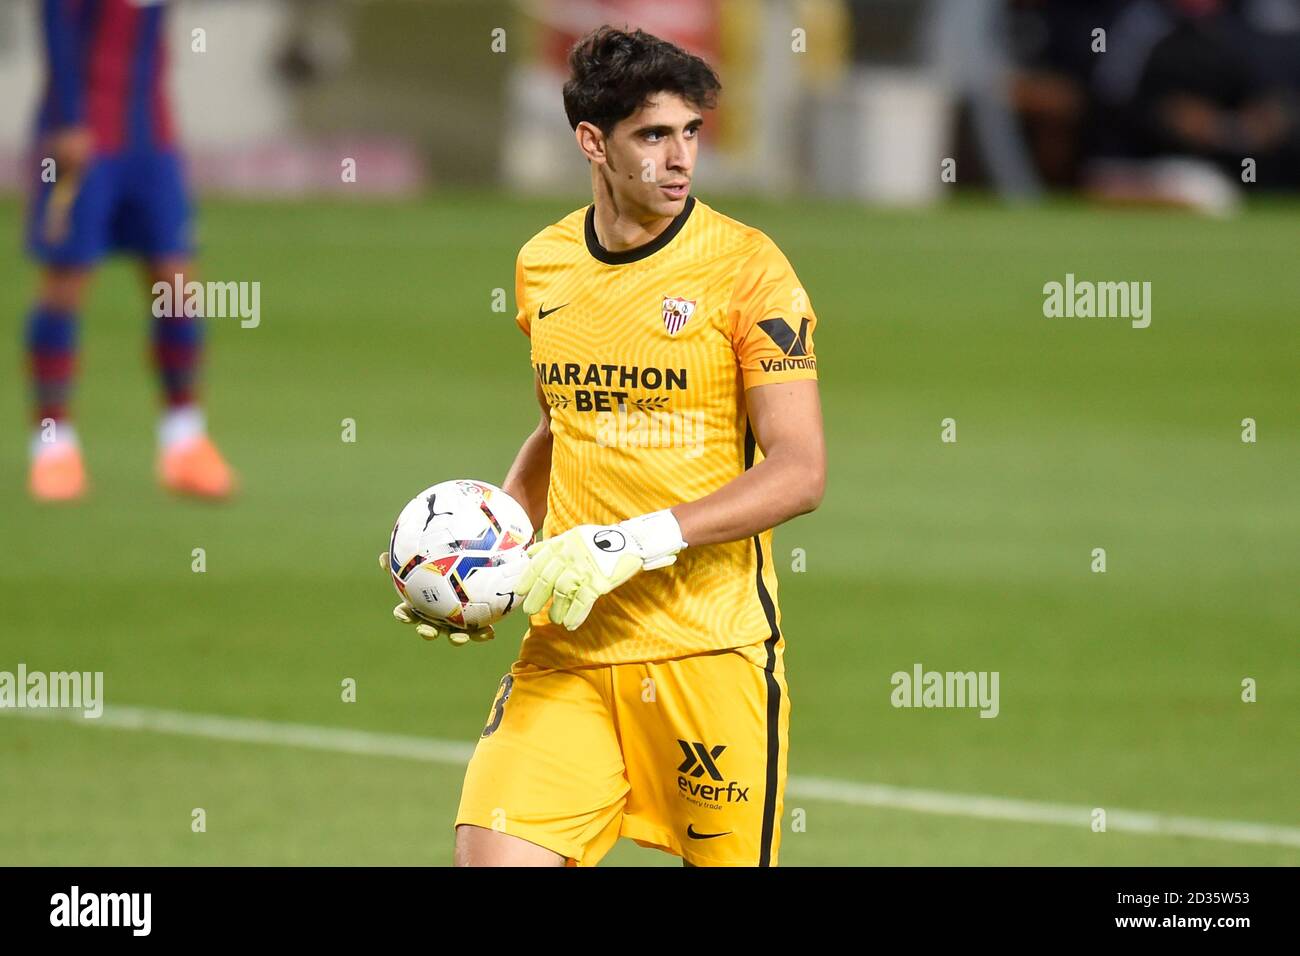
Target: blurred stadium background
[(927, 167)]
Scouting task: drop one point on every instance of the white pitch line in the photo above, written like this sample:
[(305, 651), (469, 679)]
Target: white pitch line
[(1033, 811), (431, 750), (249, 730)]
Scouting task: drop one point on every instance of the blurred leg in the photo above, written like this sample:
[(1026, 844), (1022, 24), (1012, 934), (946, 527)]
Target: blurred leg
[(52, 338), (57, 472), (177, 337), (188, 462)]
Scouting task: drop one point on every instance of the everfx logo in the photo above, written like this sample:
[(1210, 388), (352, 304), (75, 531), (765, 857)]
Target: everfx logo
[(699, 760)]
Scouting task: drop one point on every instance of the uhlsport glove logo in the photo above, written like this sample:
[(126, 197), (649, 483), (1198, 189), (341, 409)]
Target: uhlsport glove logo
[(609, 541)]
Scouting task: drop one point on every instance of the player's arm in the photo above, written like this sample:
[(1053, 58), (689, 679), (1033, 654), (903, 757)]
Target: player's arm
[(69, 142), (787, 421), (577, 567), (529, 477)]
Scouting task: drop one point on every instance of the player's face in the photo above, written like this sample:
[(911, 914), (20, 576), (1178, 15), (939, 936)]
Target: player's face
[(651, 156)]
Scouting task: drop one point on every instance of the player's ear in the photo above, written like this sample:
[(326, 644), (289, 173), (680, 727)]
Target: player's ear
[(591, 141)]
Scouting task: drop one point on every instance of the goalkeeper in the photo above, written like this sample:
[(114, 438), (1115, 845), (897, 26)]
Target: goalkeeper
[(649, 699)]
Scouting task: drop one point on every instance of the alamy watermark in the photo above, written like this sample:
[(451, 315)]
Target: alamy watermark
[(212, 300), (651, 428), (61, 690), (1085, 299), (129, 910), (922, 688)]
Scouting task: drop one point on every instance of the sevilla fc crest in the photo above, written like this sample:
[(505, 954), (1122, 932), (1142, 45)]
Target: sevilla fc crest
[(677, 312)]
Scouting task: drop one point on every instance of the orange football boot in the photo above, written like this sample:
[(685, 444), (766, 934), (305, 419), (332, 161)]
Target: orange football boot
[(195, 467), (57, 474)]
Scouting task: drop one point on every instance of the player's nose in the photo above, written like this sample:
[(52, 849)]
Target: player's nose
[(679, 155)]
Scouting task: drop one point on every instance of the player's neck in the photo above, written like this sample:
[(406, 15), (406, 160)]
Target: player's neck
[(620, 229)]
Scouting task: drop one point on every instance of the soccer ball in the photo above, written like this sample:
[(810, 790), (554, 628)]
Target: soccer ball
[(457, 551)]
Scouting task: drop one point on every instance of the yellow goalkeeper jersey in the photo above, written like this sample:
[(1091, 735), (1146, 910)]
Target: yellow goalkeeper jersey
[(644, 357)]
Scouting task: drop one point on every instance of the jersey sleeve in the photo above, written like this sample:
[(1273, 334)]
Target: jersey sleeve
[(521, 305), (772, 321)]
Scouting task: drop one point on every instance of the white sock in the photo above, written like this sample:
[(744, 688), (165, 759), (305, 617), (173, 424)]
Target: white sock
[(58, 435), (180, 424)]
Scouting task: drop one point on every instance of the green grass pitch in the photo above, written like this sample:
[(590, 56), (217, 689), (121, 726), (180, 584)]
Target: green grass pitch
[(1120, 689)]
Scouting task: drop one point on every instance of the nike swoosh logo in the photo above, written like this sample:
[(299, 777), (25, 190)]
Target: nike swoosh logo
[(543, 313), (690, 832)]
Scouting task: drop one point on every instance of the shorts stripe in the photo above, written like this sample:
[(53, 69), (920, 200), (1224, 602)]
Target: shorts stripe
[(773, 688), (773, 717)]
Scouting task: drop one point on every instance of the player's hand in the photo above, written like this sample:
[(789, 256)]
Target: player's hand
[(70, 148), (573, 569), (432, 630)]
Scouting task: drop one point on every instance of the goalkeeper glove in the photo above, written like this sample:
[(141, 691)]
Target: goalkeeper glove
[(578, 566), (432, 630)]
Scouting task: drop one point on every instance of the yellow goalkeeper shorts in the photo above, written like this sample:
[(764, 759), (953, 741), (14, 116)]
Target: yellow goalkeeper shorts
[(687, 755)]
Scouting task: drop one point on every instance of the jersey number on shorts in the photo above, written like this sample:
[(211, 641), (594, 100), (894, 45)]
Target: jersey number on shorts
[(498, 705)]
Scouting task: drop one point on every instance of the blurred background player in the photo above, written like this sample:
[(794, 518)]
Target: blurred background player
[(1185, 90), (115, 184)]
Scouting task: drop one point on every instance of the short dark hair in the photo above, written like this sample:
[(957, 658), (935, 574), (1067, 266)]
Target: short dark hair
[(613, 73)]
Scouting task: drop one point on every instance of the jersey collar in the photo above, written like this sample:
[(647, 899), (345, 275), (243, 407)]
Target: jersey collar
[(602, 254)]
